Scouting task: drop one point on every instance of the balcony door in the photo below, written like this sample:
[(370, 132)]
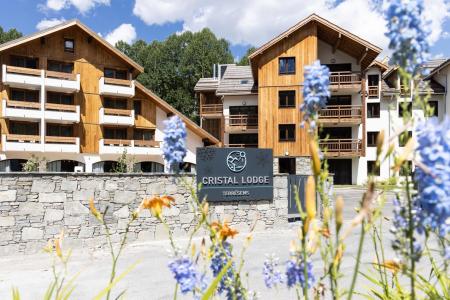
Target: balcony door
[(336, 133), (243, 140), (339, 67), (115, 133), (59, 130), (115, 103), (23, 128), (373, 80), (340, 100), (143, 134), (24, 62), (341, 170)]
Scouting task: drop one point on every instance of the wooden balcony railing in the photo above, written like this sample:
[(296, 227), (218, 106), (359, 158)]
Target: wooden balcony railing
[(242, 145), (341, 113), (23, 104), (24, 71), (241, 122), (117, 112), (22, 138), (115, 81), (60, 107), (345, 79), (405, 90), (211, 109), (116, 142), (61, 139), (60, 75), (341, 147), (143, 143), (373, 91)]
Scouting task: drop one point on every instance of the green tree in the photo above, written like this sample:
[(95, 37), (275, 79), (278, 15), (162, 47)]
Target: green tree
[(6, 36), (173, 66), (244, 59)]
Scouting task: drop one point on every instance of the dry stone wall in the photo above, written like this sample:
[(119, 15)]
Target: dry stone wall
[(35, 207)]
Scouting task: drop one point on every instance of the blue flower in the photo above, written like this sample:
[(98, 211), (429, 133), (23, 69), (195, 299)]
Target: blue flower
[(315, 91), (408, 33), (174, 142), (295, 273), (433, 179), (187, 276), (272, 276)]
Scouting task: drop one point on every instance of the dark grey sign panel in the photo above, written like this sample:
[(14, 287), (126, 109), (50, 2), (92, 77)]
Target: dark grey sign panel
[(235, 174)]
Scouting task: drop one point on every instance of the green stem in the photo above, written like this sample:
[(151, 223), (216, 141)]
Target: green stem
[(358, 260), (411, 241), (175, 292), (305, 267)]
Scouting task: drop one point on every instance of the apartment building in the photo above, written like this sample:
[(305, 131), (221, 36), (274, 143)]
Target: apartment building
[(366, 97), (70, 97)]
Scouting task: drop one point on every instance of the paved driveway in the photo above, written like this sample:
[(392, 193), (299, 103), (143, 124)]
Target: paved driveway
[(152, 280)]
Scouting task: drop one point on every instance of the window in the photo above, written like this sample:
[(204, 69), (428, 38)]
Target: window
[(115, 133), (286, 65), (286, 165), (339, 67), (372, 168), (340, 100), (250, 110), (69, 45), (149, 167), (59, 130), (373, 110), (372, 138), (403, 138), (59, 66), (59, 98), (406, 168), (435, 108), (403, 108), (24, 95), (143, 134), (115, 103), (243, 140), (286, 99), (137, 106), (114, 73), (373, 80), (286, 132), (63, 165), (24, 62), (27, 128)]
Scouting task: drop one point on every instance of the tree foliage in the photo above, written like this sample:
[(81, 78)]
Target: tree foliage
[(173, 66), (244, 59), (6, 36)]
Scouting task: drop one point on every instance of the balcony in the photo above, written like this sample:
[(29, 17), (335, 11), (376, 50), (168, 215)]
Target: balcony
[(21, 110), (373, 92), (347, 81), (341, 147), (62, 82), (22, 77), (21, 142), (239, 123), (62, 113), (114, 116), (133, 147), (405, 91), (341, 114), (34, 78), (211, 110), (116, 87), (62, 144)]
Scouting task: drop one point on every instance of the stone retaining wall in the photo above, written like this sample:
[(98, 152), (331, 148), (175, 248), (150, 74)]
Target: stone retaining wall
[(36, 207)]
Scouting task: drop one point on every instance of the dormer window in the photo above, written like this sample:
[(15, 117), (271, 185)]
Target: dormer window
[(114, 73), (69, 45)]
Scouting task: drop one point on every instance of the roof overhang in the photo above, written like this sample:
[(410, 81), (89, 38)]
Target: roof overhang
[(170, 109), (438, 69), (65, 25), (364, 51)]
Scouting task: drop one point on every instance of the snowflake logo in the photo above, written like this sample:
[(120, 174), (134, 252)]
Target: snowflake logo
[(236, 161)]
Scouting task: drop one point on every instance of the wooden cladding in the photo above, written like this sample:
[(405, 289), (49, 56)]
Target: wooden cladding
[(341, 147), (118, 112), (23, 71), (212, 109), (24, 138), (341, 114), (115, 81)]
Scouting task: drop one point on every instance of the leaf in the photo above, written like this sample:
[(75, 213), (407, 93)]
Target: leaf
[(212, 288), (15, 293), (103, 292)]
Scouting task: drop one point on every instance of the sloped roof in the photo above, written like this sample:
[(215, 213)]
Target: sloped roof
[(379, 64), (328, 32), (442, 64), (206, 84), (237, 80), (65, 25), (169, 108), (430, 86)]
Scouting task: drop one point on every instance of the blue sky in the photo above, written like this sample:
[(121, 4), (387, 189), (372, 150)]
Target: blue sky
[(242, 23)]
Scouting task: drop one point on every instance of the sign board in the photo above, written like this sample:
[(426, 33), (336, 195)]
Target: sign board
[(235, 174)]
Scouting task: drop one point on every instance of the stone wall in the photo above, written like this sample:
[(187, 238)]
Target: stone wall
[(36, 207)]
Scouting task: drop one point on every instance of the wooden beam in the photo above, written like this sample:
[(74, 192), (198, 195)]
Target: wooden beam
[(363, 55), (337, 43)]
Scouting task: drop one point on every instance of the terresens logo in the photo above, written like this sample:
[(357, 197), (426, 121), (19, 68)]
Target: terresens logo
[(236, 161)]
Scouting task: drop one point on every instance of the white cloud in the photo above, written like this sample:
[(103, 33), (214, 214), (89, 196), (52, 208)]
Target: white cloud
[(257, 21), (83, 6), (125, 32), (46, 23)]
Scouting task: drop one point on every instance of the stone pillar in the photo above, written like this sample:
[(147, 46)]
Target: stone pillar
[(303, 165)]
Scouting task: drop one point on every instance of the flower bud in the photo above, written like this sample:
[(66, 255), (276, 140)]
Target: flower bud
[(339, 208), (380, 142), (315, 157), (310, 198)]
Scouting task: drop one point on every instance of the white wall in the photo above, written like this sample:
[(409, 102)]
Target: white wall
[(326, 56)]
